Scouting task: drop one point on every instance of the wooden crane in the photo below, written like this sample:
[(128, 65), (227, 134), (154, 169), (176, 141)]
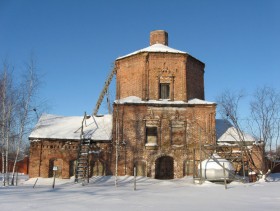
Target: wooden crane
[(82, 166), (104, 91)]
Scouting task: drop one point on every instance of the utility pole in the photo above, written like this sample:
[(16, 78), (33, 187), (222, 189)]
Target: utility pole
[(117, 138)]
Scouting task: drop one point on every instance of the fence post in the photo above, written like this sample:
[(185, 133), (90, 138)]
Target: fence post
[(225, 180), (134, 178)]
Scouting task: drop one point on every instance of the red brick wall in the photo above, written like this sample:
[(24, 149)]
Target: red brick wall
[(21, 166), (159, 36), (42, 152), (259, 160), (167, 68), (195, 78), (130, 76), (63, 153), (198, 121), (139, 75)]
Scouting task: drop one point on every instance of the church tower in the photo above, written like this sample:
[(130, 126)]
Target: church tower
[(159, 72), (160, 110)]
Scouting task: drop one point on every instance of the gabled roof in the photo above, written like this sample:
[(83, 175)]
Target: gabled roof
[(225, 132), (154, 48), (66, 128)]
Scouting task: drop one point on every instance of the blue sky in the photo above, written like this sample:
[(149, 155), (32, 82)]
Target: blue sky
[(75, 42)]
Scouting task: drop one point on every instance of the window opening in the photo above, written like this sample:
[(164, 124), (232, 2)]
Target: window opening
[(164, 91), (151, 136)]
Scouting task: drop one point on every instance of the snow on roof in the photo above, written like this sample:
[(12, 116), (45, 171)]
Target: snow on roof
[(138, 100), (61, 127), (199, 102), (154, 48), (225, 132)]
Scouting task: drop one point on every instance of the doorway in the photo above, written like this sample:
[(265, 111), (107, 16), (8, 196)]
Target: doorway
[(164, 168)]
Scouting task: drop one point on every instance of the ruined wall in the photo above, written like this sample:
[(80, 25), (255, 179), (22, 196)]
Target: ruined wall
[(180, 129), (45, 154), (259, 159)]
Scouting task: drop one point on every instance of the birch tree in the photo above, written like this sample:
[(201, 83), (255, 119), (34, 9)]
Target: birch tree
[(16, 112), (27, 93), (6, 117), (229, 109), (265, 122)]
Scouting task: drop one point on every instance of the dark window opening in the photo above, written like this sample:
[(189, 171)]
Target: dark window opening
[(164, 91), (151, 135)]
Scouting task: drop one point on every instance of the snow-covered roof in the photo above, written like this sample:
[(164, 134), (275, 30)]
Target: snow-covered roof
[(60, 127), (225, 132), (138, 100), (155, 48), (199, 102)]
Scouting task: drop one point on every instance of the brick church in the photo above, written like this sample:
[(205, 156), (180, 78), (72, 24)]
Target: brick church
[(159, 110), (160, 121)]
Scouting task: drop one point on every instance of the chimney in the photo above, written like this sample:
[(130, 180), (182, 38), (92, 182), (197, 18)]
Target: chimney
[(159, 37)]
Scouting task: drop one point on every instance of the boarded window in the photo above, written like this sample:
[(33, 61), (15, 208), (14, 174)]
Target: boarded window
[(140, 168), (164, 91), (178, 135), (97, 168), (189, 167), (151, 135)]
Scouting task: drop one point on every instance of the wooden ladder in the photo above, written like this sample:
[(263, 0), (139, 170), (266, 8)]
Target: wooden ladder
[(82, 165)]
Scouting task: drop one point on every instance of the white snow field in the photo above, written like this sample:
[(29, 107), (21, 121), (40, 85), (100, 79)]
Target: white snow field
[(150, 194)]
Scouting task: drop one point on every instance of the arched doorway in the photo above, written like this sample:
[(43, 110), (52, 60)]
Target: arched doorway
[(58, 163), (164, 168)]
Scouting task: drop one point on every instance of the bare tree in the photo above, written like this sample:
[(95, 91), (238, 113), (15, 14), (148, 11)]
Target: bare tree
[(229, 108), (265, 122), (27, 92), (16, 112), (7, 96)]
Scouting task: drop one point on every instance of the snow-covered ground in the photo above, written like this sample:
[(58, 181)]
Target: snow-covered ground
[(151, 194)]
